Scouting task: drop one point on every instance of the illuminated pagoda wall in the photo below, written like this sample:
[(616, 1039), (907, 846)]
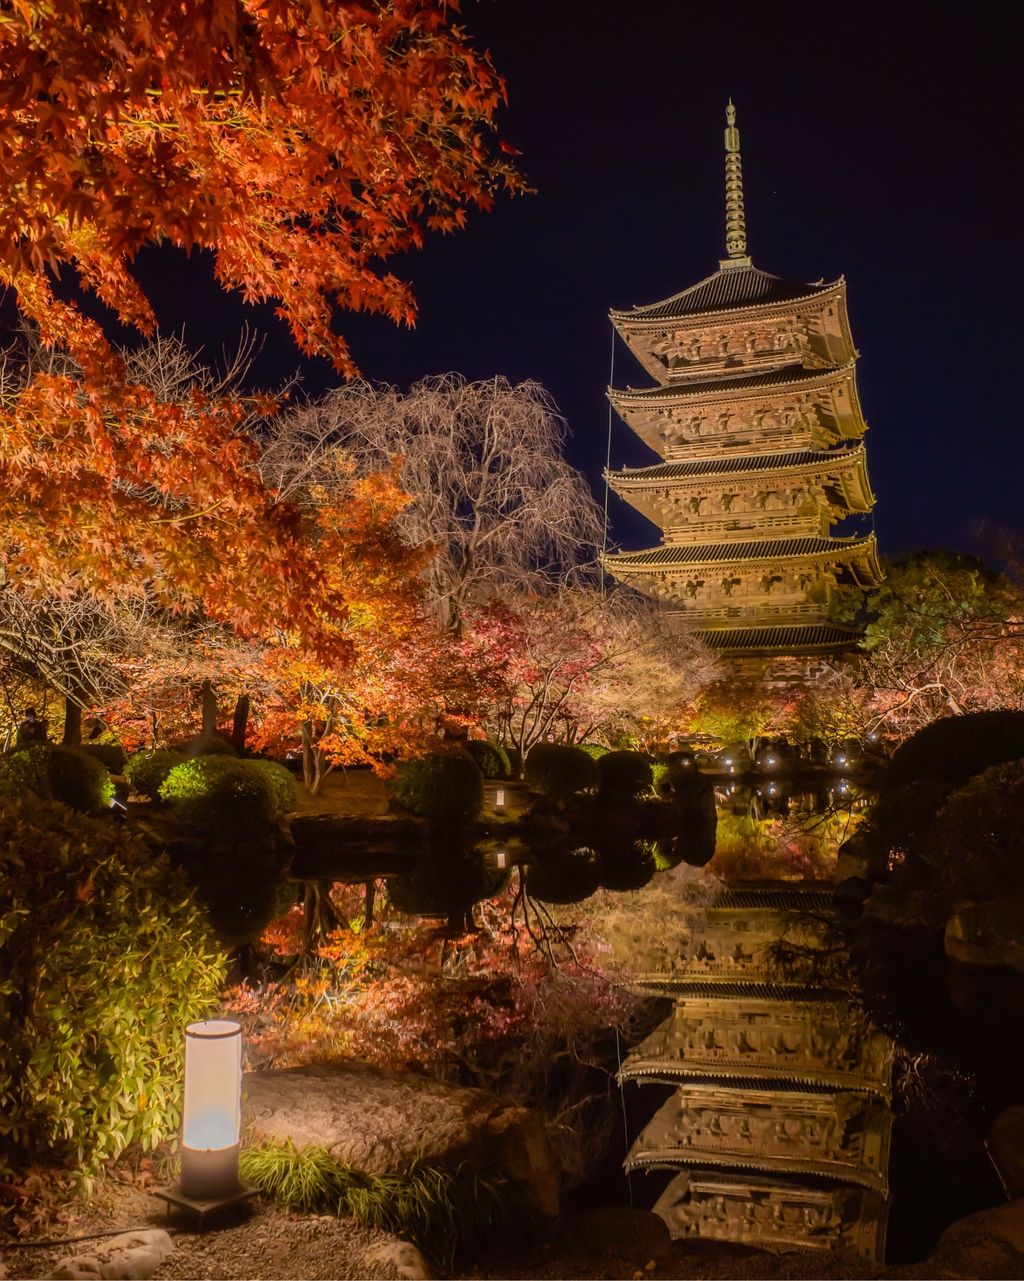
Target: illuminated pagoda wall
[(757, 422)]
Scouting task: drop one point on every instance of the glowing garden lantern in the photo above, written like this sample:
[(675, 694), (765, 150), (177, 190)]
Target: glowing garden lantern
[(211, 1133), (499, 799)]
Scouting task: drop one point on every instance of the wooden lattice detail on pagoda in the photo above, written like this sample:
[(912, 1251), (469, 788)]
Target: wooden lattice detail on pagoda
[(843, 1135), (814, 1042), (757, 421), (780, 1116), (774, 1214)]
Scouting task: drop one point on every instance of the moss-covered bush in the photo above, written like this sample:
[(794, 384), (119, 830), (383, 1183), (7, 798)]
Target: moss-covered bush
[(281, 780), (624, 777), (63, 773), (447, 788), (491, 758), (109, 754), (222, 798), (955, 748), (104, 957), (146, 771), (560, 771)]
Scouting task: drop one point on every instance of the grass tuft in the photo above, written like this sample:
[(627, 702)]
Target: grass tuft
[(446, 1213)]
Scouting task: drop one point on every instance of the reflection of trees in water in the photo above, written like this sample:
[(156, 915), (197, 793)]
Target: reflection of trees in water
[(757, 840)]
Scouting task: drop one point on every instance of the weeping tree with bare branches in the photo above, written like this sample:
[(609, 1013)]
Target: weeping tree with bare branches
[(491, 494)]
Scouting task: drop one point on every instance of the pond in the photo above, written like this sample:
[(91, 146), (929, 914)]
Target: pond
[(803, 1081)]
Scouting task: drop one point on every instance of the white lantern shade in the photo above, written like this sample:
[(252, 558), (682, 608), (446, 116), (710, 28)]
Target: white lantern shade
[(499, 798), (213, 1085)]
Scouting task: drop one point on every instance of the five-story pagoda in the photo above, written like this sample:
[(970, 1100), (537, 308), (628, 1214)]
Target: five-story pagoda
[(758, 424)]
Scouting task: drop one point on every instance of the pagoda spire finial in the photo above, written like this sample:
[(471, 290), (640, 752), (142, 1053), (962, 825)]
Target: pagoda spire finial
[(735, 222)]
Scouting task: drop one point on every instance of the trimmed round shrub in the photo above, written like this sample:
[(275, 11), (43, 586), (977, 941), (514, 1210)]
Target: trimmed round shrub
[(223, 798), (570, 876), (63, 773), (560, 771), (209, 745), (980, 835), (105, 958), (624, 776), (491, 758), (447, 788), (281, 780), (146, 771), (594, 750), (955, 748), (26, 770), (628, 866), (445, 882), (109, 754)]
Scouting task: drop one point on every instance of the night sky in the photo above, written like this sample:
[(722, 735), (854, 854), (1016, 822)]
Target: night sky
[(879, 142)]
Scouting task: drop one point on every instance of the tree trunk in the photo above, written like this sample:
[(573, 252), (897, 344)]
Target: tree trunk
[(72, 724), (240, 722), (369, 901), (209, 703)]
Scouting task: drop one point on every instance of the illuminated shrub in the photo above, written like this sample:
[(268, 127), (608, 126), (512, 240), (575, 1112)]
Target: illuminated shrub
[(104, 957), (146, 771), (624, 776), (560, 771), (63, 773), (491, 758), (955, 748), (445, 788), (282, 783), (109, 754), (223, 798), (594, 750), (209, 745)]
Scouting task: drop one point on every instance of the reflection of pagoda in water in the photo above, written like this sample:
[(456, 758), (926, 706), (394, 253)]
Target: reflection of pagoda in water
[(758, 424), (780, 1123)]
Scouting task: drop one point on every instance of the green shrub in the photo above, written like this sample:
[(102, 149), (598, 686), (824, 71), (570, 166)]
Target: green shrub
[(447, 788), (109, 754), (281, 780), (63, 773), (26, 770), (955, 748), (980, 835), (209, 745), (491, 758), (628, 865), (104, 959), (146, 771), (624, 776), (446, 1213), (222, 798), (594, 750), (568, 876), (560, 771)]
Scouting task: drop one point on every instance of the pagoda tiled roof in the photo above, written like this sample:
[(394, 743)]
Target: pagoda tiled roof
[(727, 382), (762, 549), (722, 291), (746, 463), (779, 639)]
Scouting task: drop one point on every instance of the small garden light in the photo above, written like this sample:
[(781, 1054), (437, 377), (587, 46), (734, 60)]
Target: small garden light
[(501, 858), (499, 799), (211, 1122)]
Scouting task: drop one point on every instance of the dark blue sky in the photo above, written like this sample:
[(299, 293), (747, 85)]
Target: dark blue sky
[(879, 142)]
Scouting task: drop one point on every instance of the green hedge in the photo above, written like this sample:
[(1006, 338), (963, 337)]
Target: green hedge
[(221, 797), (560, 771), (594, 750), (65, 774), (624, 776), (146, 771), (491, 758), (109, 754), (955, 748), (104, 959), (282, 783), (447, 788)]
